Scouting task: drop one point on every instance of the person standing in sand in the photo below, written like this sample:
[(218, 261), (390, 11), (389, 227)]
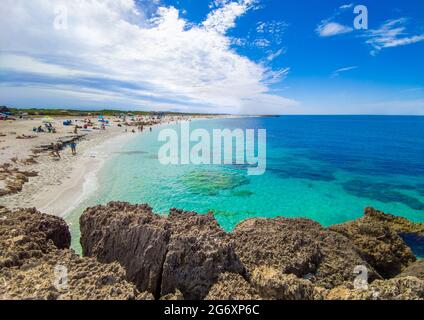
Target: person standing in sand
[(73, 146), (55, 152)]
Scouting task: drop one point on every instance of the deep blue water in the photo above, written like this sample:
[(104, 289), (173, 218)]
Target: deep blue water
[(327, 168)]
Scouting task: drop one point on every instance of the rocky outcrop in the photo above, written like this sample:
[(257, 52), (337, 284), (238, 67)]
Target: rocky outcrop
[(414, 270), (397, 224), (36, 263), (407, 288), (28, 234), (274, 285), (231, 286), (378, 243), (188, 256), (300, 247), (184, 251), (12, 180)]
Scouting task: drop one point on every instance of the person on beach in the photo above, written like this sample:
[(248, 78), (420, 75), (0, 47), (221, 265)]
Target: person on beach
[(73, 146), (55, 148), (76, 130)]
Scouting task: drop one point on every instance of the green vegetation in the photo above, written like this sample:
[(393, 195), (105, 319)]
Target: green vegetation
[(82, 113)]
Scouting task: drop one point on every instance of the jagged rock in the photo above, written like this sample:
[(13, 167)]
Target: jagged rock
[(177, 295), (379, 245), (62, 275), (35, 262), (131, 235), (26, 234), (414, 270), (274, 285), (198, 252), (298, 246), (407, 288), (184, 251), (231, 286), (398, 224)]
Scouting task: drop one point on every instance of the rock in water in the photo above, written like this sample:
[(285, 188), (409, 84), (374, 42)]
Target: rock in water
[(184, 251), (380, 246), (398, 224), (298, 246)]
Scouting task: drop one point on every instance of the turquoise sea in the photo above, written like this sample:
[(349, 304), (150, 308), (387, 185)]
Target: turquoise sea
[(327, 168)]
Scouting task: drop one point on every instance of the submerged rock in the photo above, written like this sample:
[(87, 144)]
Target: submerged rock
[(298, 246), (379, 244)]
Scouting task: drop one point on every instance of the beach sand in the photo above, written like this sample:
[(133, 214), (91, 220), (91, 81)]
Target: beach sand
[(60, 184)]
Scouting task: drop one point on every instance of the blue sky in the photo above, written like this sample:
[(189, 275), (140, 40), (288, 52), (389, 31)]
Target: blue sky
[(226, 56)]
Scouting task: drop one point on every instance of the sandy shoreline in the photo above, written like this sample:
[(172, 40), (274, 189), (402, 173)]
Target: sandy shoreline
[(60, 185)]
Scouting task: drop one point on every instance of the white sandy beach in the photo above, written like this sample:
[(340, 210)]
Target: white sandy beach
[(60, 184)]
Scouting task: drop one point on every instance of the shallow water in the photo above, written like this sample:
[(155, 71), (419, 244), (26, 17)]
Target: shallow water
[(326, 168)]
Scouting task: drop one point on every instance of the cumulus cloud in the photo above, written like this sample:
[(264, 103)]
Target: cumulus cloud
[(112, 52)]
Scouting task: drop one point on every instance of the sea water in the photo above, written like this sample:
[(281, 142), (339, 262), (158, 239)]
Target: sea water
[(326, 168)]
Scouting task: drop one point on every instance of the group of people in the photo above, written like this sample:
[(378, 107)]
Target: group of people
[(48, 128), (56, 147)]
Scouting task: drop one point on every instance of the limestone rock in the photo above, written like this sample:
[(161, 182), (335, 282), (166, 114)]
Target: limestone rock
[(398, 224), (406, 288), (184, 251), (414, 270), (231, 286), (379, 245), (298, 246), (274, 285), (35, 263)]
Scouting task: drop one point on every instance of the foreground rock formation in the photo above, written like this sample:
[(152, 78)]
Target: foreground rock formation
[(128, 249), (35, 263), (184, 251), (289, 259), (379, 245)]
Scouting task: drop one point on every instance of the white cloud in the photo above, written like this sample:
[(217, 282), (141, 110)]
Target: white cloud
[(135, 61), (346, 6), (224, 17), (337, 72), (391, 34), (273, 55), (328, 29)]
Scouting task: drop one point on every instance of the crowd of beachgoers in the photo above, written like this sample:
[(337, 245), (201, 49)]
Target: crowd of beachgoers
[(43, 156)]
